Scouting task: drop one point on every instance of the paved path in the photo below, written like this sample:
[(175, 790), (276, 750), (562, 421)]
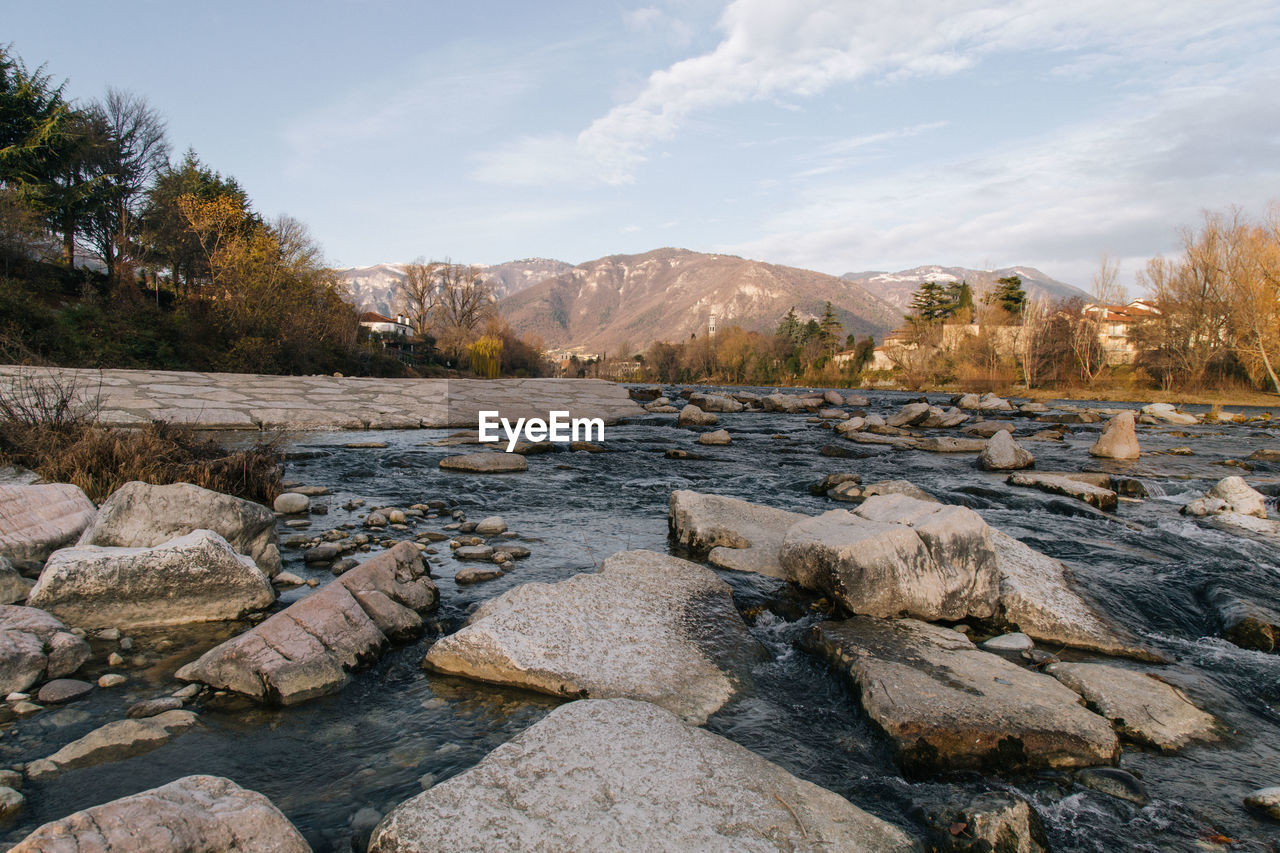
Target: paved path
[(248, 401)]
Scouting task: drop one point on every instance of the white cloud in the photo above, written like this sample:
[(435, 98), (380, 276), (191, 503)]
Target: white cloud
[(801, 48)]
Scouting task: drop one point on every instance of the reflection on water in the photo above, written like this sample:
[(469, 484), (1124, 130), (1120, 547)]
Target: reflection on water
[(396, 728)]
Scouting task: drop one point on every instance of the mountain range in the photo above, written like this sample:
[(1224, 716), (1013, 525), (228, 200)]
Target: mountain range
[(628, 301)]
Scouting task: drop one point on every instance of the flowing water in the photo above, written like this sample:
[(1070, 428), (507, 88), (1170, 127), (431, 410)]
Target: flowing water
[(396, 728)]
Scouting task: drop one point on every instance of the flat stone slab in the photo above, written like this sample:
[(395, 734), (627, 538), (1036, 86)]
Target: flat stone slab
[(897, 555), (113, 742), (251, 401), (306, 650), (1060, 485), (194, 814), (35, 521), (646, 626), (486, 463), (140, 515), (1141, 707), (193, 578), (624, 775), (949, 706), (1036, 597), (730, 533)]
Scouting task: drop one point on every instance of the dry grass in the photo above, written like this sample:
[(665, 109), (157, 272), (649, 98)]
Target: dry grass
[(49, 426)]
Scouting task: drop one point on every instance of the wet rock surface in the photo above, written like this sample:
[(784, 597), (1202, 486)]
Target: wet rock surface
[(646, 626), (730, 533), (667, 786)]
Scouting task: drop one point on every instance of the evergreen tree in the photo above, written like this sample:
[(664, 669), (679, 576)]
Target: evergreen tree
[(931, 302), (829, 330), (790, 327), (1008, 294), (961, 297)]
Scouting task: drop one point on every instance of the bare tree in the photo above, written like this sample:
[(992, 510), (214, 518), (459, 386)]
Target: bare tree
[(1107, 289), (418, 296), (1254, 298), (465, 298)]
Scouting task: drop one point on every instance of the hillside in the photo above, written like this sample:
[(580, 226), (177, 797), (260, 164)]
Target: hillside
[(897, 288), (374, 288), (669, 294)]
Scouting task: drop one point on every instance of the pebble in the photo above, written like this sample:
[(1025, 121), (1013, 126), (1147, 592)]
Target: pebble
[(287, 579), (1015, 642), (476, 574), (375, 519), (111, 679), (62, 690), (343, 566), (297, 524), (109, 634), (126, 643), (426, 780), (291, 503), (1115, 783), (115, 659), (24, 708), (491, 526), (17, 697), (187, 693), (1266, 799)]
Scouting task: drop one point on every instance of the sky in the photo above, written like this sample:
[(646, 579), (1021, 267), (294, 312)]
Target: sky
[(835, 135)]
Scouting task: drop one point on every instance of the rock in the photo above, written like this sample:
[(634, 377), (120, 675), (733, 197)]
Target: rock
[(342, 566), (1015, 642), (714, 403), (11, 802), (35, 521), (153, 707), (375, 519), (477, 574), (363, 823), (987, 429), (832, 480), (1142, 708), (939, 418), (309, 491), (646, 626), (1230, 494), (111, 679), (292, 503), (14, 588), (661, 410), (1059, 485), (853, 424), (196, 577), (832, 398), (908, 415), (115, 659), (718, 438), (1114, 783), (1036, 598), (948, 706), (321, 554), (474, 552), (113, 742), (1002, 453), (1267, 800), (62, 690), (486, 463), (25, 708), (692, 415), (515, 552), (1266, 454), (832, 414), (305, 650), (992, 821), (194, 813), (1119, 439), (730, 533), (140, 515), (1169, 414), (897, 555), (666, 786), (855, 493), (992, 403), (586, 447), (968, 401), (946, 444), (35, 645), (1033, 408), (491, 526), (787, 403), (1247, 624)]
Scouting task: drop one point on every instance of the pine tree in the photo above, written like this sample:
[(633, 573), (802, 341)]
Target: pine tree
[(1008, 294), (790, 328), (829, 330), (931, 302)]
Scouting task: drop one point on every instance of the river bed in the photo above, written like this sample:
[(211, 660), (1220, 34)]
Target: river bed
[(396, 728)]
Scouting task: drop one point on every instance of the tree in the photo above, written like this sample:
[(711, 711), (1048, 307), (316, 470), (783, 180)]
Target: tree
[(464, 303), (1107, 289), (790, 327), (1008, 295), (132, 153), (961, 298), (1086, 349), (931, 302), (418, 295), (1253, 296), (829, 329)]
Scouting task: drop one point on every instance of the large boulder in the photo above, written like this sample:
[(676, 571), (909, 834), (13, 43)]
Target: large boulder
[(1119, 439), (1037, 599), (35, 521), (140, 515), (948, 705), (194, 814), (691, 415), (897, 555), (787, 403), (193, 578), (646, 626), (623, 775), (114, 741), (1229, 495), (1142, 707), (730, 533), (35, 645), (909, 415), (306, 650), (1002, 453), (715, 403), (939, 418)]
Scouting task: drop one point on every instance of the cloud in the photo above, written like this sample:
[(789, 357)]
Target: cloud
[(770, 51), (1118, 184)]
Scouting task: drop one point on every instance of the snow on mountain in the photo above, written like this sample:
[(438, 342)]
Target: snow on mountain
[(897, 288), (375, 288)]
